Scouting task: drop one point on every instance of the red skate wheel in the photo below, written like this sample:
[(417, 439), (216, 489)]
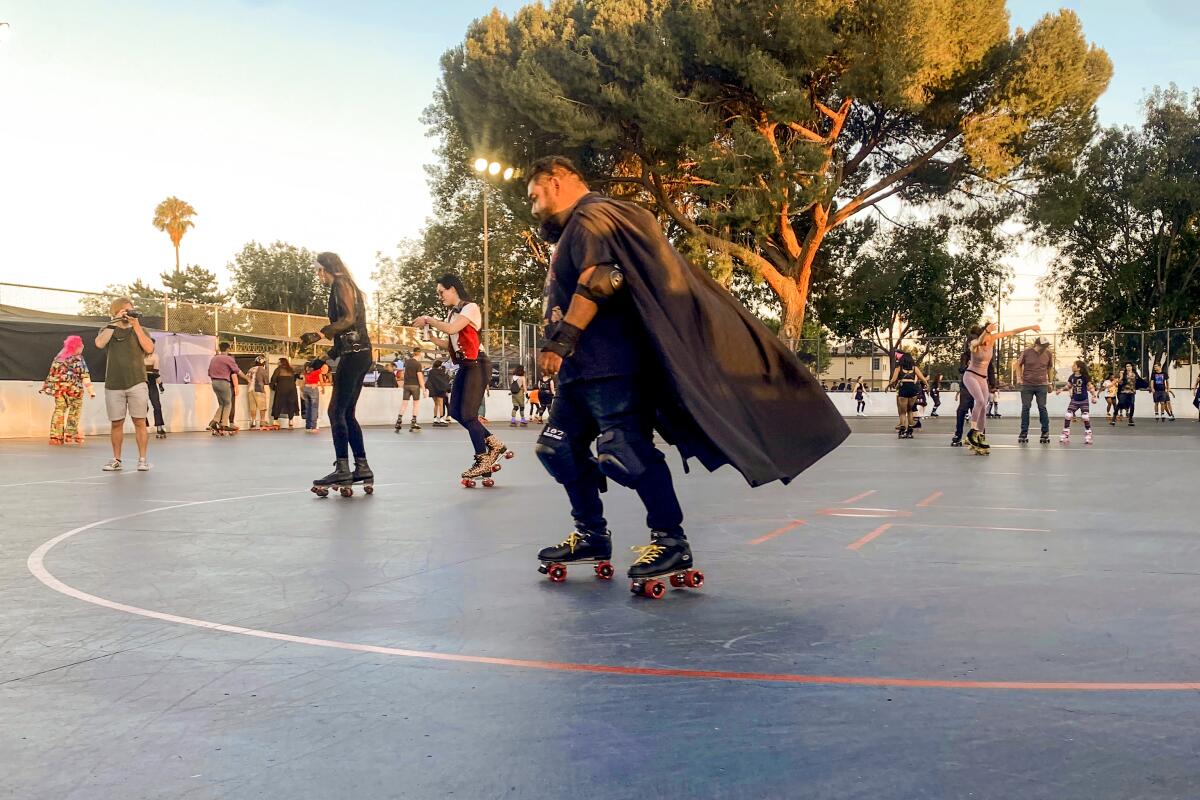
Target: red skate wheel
[(655, 589), (345, 491), (605, 571), (678, 580), (369, 489), (495, 467), (694, 579), (509, 454), (468, 483), (488, 483), (557, 573)]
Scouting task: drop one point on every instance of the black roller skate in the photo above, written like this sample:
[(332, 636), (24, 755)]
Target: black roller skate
[(399, 424), (578, 546), (413, 426), (160, 433), (364, 475), (665, 555), (215, 429), (1045, 438), (908, 433), (956, 441), (1023, 438), (340, 480)]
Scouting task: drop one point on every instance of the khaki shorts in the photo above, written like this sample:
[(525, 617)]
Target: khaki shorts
[(257, 401), (121, 403)]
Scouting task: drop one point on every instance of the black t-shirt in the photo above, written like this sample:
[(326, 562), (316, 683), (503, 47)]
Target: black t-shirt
[(609, 346), (412, 368), (1079, 390), (1160, 381), (387, 380)]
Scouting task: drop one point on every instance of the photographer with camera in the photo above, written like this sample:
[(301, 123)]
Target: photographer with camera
[(126, 344)]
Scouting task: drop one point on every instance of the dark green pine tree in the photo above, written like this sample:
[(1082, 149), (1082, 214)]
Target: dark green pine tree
[(760, 127)]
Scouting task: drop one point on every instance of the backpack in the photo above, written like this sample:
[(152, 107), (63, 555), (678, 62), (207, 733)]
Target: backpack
[(514, 387)]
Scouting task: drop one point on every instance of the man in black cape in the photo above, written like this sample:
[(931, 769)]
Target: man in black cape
[(649, 342)]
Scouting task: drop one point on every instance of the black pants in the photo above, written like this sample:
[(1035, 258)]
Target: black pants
[(608, 411), (470, 384), (965, 403), (347, 386), (155, 399), (1125, 402)]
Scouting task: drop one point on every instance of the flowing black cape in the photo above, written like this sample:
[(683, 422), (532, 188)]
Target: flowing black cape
[(733, 393)]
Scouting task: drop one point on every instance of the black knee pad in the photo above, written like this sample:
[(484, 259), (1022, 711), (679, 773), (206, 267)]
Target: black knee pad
[(554, 451), (624, 456)]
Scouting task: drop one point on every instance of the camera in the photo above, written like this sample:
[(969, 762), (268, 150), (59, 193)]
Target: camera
[(133, 313)]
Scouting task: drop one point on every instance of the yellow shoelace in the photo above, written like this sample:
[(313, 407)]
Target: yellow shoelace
[(647, 552), (572, 540)]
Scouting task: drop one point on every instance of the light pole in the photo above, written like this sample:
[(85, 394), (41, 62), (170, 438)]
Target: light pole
[(5, 30), (489, 169)]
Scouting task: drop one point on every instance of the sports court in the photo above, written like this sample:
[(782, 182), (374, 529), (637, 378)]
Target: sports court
[(904, 621)]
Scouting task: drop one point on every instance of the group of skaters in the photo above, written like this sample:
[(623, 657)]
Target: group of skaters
[(978, 392), (284, 406)]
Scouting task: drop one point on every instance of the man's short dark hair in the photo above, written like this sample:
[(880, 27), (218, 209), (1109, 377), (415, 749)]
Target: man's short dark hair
[(550, 165), (223, 347)]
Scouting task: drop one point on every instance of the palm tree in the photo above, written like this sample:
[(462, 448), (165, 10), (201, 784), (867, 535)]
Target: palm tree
[(174, 216)]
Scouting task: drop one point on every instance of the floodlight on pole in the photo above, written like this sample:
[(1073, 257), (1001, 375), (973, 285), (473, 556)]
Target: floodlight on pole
[(489, 169), (5, 30)]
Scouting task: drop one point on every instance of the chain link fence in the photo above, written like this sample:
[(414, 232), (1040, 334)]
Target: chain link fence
[(252, 330)]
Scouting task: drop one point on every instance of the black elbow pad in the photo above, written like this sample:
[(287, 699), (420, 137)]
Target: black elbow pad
[(604, 282)]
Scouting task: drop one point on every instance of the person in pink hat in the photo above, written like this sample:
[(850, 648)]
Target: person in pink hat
[(69, 378)]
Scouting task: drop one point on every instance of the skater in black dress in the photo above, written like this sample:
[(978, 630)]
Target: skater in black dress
[(860, 398)]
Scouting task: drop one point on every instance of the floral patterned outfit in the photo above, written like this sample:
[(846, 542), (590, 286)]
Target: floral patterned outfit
[(66, 382)]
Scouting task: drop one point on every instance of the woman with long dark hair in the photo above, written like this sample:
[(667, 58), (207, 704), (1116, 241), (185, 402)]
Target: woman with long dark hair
[(461, 328), (907, 378), (981, 344), (1127, 386), (347, 329), (283, 394)]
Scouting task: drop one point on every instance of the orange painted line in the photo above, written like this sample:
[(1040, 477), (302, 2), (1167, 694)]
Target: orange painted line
[(971, 527), (856, 497), (778, 532), (882, 529), (36, 564), (928, 501)]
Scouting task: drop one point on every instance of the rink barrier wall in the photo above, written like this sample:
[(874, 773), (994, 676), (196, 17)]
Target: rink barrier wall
[(24, 412)]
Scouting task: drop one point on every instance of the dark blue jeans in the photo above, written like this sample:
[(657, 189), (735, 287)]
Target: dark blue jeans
[(611, 409), (347, 386)]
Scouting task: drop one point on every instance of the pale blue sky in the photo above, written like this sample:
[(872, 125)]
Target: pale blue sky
[(294, 120)]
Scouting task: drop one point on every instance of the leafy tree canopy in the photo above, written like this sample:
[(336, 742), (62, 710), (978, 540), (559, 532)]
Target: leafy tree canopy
[(1125, 221), (279, 277), (195, 285), (759, 127)]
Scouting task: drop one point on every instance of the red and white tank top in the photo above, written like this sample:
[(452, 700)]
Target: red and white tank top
[(466, 341)]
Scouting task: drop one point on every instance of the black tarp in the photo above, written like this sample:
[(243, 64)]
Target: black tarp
[(30, 339), (27, 348)]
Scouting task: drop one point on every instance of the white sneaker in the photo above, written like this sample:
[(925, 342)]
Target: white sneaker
[(142, 465), (114, 465)]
